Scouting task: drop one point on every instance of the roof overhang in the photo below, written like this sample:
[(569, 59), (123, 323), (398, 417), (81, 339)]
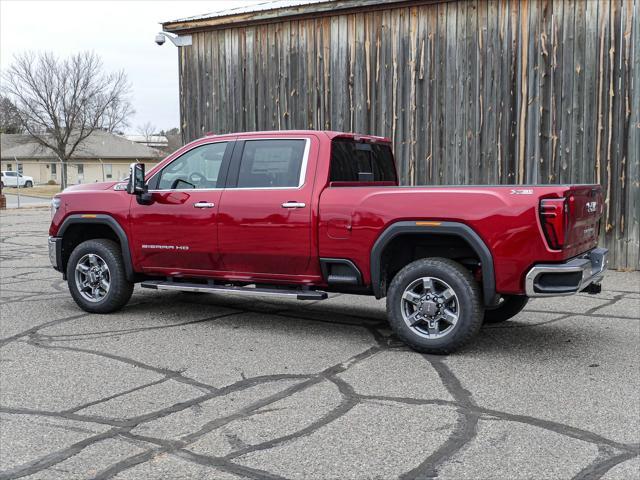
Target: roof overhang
[(276, 12)]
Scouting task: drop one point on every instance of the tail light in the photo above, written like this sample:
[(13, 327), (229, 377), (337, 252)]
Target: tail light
[(554, 217)]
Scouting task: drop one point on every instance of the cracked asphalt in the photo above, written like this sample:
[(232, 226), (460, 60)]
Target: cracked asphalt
[(185, 386)]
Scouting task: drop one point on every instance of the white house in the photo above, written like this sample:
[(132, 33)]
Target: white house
[(101, 157)]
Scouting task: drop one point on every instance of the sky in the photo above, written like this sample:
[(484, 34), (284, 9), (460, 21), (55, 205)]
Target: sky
[(121, 32)]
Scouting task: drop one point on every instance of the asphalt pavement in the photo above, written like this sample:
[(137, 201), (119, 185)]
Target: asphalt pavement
[(186, 386)]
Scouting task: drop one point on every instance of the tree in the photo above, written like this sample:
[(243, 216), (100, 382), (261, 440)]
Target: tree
[(9, 122), (174, 140), (147, 130), (59, 102)]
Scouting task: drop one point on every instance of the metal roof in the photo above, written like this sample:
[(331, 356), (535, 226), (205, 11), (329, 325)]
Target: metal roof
[(149, 140), (273, 10), (99, 144), (259, 7)]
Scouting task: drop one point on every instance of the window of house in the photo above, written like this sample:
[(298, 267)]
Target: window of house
[(80, 169), (108, 170), (271, 163), (9, 166), (361, 162), (54, 169)]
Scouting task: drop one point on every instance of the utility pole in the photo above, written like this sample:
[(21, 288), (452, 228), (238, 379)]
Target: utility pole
[(17, 178)]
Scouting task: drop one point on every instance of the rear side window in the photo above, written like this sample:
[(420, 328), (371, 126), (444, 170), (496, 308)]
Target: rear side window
[(361, 162), (271, 163)]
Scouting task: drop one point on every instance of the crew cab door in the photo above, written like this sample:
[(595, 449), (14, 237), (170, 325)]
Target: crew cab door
[(265, 211), (176, 233)]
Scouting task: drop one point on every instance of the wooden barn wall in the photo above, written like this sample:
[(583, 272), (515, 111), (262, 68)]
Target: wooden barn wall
[(471, 92)]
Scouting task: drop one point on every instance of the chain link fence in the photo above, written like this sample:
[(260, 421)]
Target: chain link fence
[(33, 183)]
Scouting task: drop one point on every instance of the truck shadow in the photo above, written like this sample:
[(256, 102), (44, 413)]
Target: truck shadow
[(528, 334)]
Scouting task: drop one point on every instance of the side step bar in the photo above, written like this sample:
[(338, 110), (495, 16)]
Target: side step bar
[(204, 288)]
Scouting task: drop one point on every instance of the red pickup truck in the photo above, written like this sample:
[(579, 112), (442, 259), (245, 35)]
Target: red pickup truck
[(303, 213)]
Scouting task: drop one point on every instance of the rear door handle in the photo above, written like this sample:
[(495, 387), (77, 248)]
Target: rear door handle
[(293, 205), (204, 205)]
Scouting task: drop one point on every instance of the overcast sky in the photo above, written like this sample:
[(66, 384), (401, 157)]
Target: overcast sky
[(121, 32)]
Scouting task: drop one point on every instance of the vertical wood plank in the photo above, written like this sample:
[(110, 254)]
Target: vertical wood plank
[(633, 193), (577, 103), (450, 81), (441, 88), (564, 175), (545, 89), (523, 87), (489, 69), (590, 95), (456, 163)]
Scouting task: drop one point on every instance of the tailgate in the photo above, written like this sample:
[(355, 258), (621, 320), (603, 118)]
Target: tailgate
[(585, 210)]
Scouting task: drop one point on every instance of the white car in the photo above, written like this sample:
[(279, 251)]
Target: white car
[(14, 179)]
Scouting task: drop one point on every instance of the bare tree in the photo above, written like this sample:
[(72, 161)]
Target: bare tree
[(147, 130), (174, 140), (60, 102)]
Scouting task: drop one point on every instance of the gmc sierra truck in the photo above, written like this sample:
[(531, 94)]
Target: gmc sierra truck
[(302, 213)]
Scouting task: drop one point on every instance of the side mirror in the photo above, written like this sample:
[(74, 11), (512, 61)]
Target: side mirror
[(136, 184)]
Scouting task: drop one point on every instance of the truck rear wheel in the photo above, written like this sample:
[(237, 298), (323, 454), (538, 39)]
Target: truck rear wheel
[(434, 305), (508, 307), (97, 278)]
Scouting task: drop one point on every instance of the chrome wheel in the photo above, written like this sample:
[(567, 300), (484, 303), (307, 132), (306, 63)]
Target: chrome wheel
[(430, 307), (93, 278)]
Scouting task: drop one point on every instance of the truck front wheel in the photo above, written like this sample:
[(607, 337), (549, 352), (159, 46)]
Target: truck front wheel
[(434, 305), (97, 278)]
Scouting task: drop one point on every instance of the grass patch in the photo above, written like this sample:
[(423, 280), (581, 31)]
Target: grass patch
[(42, 191)]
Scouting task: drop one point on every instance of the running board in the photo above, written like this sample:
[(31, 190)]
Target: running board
[(268, 292)]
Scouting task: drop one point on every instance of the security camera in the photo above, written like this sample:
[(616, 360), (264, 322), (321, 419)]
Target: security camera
[(177, 40)]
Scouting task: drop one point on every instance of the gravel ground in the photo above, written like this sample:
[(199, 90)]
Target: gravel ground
[(184, 386)]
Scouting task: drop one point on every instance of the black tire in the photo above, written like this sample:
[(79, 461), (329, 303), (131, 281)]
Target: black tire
[(466, 289), (508, 307), (120, 289), (28, 185)]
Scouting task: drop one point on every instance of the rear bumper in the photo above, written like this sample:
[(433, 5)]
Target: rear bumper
[(557, 279), (55, 252)]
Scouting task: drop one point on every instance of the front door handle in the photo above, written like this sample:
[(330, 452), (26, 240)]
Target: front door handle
[(204, 205), (293, 205)]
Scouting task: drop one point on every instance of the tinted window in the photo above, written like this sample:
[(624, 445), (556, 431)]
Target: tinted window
[(10, 174), (271, 163), (197, 168), (361, 162)]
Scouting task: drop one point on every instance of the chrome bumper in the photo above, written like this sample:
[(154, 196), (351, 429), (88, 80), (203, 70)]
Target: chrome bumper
[(55, 252), (558, 279)]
